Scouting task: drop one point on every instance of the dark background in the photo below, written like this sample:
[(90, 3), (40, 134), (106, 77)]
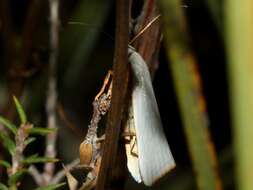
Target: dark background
[(86, 54)]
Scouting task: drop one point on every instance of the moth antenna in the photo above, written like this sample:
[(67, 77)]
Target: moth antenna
[(144, 29)]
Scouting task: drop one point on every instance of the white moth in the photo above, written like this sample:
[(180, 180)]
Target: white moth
[(148, 153)]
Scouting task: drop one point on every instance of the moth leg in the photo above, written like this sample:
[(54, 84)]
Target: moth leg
[(106, 81), (133, 144), (130, 138)]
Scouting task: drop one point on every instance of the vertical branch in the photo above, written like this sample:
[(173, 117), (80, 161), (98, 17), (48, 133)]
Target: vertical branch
[(119, 91), (190, 97), (52, 90), (239, 40)]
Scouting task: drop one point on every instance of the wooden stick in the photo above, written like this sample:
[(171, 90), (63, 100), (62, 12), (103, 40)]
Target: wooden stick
[(119, 91)]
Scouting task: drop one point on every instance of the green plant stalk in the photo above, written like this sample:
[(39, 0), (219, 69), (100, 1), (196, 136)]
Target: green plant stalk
[(189, 94), (215, 7), (239, 41)]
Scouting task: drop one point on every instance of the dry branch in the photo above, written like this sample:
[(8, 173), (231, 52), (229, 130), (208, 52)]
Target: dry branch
[(119, 91)]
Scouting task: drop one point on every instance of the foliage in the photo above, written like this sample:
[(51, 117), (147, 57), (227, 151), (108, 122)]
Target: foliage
[(15, 146)]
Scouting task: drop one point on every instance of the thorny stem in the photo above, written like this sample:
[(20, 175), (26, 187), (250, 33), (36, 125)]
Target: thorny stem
[(22, 134), (52, 91)]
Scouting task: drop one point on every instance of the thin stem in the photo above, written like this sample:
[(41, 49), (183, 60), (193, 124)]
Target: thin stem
[(22, 134), (61, 174), (34, 172), (51, 102)]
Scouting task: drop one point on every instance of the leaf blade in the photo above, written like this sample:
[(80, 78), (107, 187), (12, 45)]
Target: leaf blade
[(36, 159), (5, 164), (8, 124), (8, 143), (3, 187), (20, 111), (51, 187), (29, 140), (41, 131)]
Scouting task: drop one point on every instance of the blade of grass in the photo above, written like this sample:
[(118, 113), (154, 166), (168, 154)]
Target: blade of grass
[(190, 98), (239, 40)]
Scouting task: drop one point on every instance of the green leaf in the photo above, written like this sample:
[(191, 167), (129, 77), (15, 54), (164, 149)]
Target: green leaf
[(8, 143), (51, 187), (20, 110), (29, 140), (5, 164), (3, 187), (41, 131), (27, 159), (13, 179), (36, 159), (9, 125)]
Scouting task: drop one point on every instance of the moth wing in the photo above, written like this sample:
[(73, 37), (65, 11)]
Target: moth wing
[(133, 164), (155, 158), (132, 160)]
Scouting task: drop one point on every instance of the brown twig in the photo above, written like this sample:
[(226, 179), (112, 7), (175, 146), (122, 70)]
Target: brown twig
[(34, 172), (61, 174), (52, 90), (119, 91)]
